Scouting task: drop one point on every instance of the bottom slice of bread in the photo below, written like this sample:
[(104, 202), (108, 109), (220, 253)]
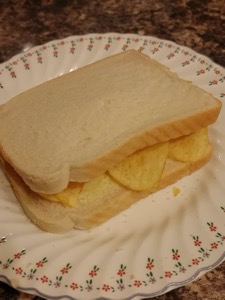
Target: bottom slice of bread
[(105, 201)]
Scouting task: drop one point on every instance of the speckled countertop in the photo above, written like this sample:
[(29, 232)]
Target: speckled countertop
[(193, 23)]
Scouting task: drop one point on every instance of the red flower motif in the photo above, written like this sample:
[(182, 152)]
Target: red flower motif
[(168, 274), (74, 286), (182, 269), (105, 287), (39, 264), (212, 227), (64, 270), (57, 284), (195, 261), (202, 61), (30, 276), (141, 48), (44, 279), (93, 273), (152, 280), (55, 53), (5, 266), (206, 254), (44, 47), (17, 255), (214, 82), (13, 74), (19, 270), (197, 243), (125, 47), (107, 46), (39, 59), (121, 272), (149, 265), (171, 54), (176, 256), (137, 283), (26, 66), (214, 245)]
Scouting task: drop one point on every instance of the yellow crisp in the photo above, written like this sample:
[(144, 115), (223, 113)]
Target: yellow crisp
[(68, 196), (142, 170), (190, 148), (176, 191)]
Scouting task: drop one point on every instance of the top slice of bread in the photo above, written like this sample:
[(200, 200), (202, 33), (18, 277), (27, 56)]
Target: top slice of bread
[(78, 125)]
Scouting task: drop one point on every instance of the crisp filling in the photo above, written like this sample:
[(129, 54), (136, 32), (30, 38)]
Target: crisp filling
[(142, 170)]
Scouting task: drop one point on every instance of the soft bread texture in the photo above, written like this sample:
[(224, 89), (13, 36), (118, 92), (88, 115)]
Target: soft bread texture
[(106, 201), (77, 126)]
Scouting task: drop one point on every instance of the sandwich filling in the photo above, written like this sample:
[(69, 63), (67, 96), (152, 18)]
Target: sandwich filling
[(142, 170)]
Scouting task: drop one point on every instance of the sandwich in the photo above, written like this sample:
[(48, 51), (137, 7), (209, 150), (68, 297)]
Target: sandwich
[(82, 147)]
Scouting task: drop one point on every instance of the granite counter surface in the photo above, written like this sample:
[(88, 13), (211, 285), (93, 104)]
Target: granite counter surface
[(199, 25)]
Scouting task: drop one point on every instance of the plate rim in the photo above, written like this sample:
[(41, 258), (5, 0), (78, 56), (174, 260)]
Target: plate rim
[(170, 285)]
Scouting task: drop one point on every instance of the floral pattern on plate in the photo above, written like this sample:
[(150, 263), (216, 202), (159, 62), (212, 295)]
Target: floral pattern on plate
[(161, 242)]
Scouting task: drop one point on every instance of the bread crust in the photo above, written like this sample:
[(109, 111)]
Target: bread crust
[(52, 137), (46, 214)]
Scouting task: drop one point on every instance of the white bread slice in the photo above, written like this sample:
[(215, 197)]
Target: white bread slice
[(97, 207), (79, 125)]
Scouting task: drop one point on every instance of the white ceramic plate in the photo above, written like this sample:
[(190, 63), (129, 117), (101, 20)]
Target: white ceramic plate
[(160, 243)]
